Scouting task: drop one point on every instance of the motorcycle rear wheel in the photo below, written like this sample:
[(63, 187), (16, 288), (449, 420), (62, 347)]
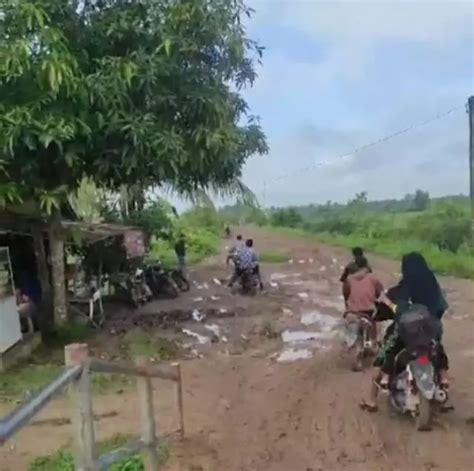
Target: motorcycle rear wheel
[(423, 420)]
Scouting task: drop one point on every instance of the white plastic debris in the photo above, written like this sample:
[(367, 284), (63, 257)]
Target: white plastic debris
[(205, 286), (273, 284), (215, 298), (291, 354), (301, 261), (303, 295), (323, 268), (222, 310), (334, 261), (214, 328), (198, 300), (217, 282), (197, 315), (202, 339), (286, 311), (290, 261), (311, 260)]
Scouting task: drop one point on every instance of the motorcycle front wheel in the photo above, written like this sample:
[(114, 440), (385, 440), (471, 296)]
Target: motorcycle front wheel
[(423, 420), (181, 282)]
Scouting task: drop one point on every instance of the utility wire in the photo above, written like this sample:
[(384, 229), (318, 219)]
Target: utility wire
[(363, 147)]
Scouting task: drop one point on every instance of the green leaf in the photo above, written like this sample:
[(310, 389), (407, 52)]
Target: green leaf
[(167, 46)]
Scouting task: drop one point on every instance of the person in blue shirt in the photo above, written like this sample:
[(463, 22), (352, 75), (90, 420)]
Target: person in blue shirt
[(246, 259)]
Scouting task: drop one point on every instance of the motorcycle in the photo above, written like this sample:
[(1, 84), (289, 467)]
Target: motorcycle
[(164, 282), (414, 388), (131, 287), (247, 282), (360, 336)]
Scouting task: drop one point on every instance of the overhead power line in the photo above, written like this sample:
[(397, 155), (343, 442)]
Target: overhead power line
[(363, 147)]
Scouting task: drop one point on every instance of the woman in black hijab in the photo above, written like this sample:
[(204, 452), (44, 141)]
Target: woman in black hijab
[(417, 286)]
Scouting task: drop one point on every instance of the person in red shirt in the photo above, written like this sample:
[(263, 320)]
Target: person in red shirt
[(362, 289)]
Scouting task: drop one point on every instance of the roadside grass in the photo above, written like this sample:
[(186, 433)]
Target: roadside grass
[(442, 261), (274, 257), (142, 343), (63, 459), (46, 363)]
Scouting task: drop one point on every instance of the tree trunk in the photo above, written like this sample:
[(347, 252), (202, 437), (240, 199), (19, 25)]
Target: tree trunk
[(46, 318), (56, 244)]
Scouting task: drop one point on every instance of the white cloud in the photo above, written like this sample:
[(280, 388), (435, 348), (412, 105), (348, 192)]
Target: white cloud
[(437, 21)]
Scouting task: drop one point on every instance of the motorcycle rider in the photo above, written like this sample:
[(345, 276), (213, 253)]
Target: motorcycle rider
[(246, 259), (361, 291), (357, 253), (233, 255), (417, 286)]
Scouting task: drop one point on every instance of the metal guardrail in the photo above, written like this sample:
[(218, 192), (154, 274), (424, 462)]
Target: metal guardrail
[(26, 411), (79, 367)]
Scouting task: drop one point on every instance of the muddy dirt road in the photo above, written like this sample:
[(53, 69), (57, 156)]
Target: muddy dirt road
[(249, 409)]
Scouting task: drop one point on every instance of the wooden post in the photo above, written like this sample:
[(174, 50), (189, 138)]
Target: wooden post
[(470, 105), (82, 413), (148, 433), (179, 394)]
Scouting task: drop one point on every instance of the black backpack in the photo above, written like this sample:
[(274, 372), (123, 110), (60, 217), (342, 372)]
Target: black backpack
[(417, 328)]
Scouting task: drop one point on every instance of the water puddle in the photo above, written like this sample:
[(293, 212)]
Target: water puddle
[(324, 321), (293, 283), (282, 276), (214, 328), (298, 336), (331, 303), (291, 354), (202, 339)]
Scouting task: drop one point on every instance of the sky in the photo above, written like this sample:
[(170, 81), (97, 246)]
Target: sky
[(337, 75)]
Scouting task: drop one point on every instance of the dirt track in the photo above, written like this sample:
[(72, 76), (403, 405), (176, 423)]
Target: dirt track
[(247, 412)]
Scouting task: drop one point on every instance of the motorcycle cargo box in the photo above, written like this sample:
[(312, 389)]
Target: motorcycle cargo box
[(417, 327)]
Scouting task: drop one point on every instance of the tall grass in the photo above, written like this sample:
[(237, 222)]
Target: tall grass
[(441, 234)]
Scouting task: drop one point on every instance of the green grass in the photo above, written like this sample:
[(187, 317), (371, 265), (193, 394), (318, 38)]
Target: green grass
[(22, 381), (201, 243), (63, 460), (46, 363), (442, 261), (274, 257), (142, 343)]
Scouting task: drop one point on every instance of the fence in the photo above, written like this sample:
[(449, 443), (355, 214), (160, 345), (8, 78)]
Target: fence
[(77, 374)]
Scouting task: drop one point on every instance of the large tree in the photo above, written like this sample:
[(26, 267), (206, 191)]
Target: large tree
[(138, 93)]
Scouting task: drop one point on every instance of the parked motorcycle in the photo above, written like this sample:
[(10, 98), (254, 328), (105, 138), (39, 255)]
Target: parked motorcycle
[(165, 282), (131, 287), (415, 388)]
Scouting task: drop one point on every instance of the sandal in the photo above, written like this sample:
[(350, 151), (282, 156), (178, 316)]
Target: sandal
[(368, 407)]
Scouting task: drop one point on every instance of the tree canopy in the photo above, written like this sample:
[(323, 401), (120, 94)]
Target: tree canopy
[(124, 92)]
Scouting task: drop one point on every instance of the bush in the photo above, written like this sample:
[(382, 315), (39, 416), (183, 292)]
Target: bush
[(289, 217), (273, 257), (448, 227)]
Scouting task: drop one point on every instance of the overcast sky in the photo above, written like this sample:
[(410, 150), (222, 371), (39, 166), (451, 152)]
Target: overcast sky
[(338, 74)]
